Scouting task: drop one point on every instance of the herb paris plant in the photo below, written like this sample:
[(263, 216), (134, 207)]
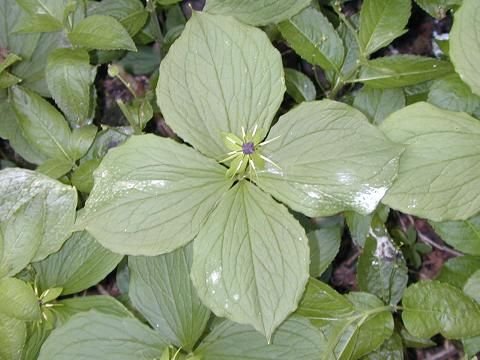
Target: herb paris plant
[(251, 256)]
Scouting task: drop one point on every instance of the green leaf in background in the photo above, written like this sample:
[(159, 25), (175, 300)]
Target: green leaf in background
[(37, 333), (20, 189), (43, 15), (438, 8), (456, 271), (472, 286), (80, 263), (55, 168), (11, 131), (462, 235), (381, 268), (313, 37), (294, 339), (13, 335), (9, 60), (101, 32), (32, 69), (130, 13), (402, 70), (81, 140), (69, 78), (97, 336), (381, 21), (70, 307), (146, 191), (359, 225), (440, 145), (324, 245), (82, 177), (145, 61), (138, 113), (252, 235), (299, 86), (352, 51), (377, 104), (353, 325), (431, 307), (257, 12), (41, 123), (161, 289), (237, 71), (7, 80), (451, 93), (18, 300), (471, 346), (391, 349), (331, 159), (465, 44)]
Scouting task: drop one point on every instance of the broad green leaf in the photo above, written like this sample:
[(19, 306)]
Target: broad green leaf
[(294, 339), (324, 245), (55, 168), (374, 327), (19, 240), (472, 286), (145, 193), (438, 8), (431, 307), (439, 146), (54, 201), (381, 21), (100, 303), (32, 69), (130, 13), (81, 140), (381, 268), (9, 60), (79, 264), (101, 32), (44, 15), (237, 71), (353, 325), (331, 159), (107, 139), (138, 113), (18, 300), (97, 336), (465, 45), (37, 333), (377, 104), (41, 123), (402, 70), (145, 61), (462, 235), (11, 15), (7, 80), (257, 12), (456, 271), (391, 349), (13, 334), (471, 346), (299, 86), (160, 288), (358, 226), (320, 304), (352, 52), (11, 131), (414, 341), (69, 78), (313, 37), (451, 93), (252, 235), (82, 177)]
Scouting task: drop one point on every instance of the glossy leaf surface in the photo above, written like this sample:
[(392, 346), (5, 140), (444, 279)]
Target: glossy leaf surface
[(330, 158), (151, 196)]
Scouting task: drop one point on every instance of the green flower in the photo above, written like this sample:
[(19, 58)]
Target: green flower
[(219, 88)]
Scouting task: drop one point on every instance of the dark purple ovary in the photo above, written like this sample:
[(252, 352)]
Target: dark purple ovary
[(248, 148)]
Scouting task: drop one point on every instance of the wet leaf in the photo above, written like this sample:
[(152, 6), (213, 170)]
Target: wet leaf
[(330, 158)]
